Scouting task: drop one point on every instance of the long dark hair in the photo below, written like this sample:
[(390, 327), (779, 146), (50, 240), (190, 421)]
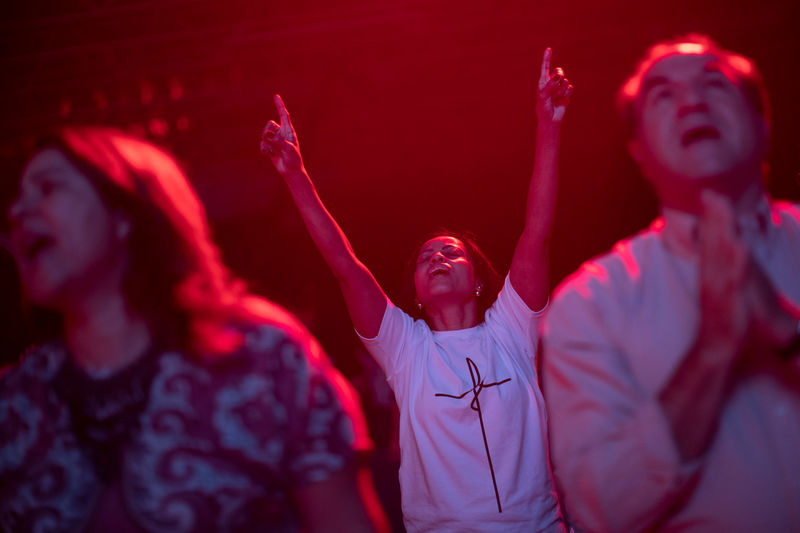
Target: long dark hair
[(175, 277), (484, 271)]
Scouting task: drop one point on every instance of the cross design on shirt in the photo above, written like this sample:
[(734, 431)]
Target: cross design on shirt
[(477, 386)]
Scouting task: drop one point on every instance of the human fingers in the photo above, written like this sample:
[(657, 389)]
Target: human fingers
[(270, 130), (283, 113), (717, 215), (286, 127), (544, 74), (723, 255), (269, 138), (775, 317), (562, 99), (552, 85), (270, 147), (557, 84)]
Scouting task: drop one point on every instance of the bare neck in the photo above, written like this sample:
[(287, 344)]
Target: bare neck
[(453, 317), (744, 194), (750, 198), (104, 336)]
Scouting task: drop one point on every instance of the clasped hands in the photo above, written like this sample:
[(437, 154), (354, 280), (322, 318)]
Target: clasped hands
[(739, 305)]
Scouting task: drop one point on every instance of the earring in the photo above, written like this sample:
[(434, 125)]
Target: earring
[(419, 306), (478, 291)]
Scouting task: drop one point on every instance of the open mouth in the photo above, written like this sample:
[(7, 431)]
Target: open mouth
[(702, 133), (34, 245), (439, 271)]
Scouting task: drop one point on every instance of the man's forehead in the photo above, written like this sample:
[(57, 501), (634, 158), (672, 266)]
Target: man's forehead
[(678, 63), (664, 60)]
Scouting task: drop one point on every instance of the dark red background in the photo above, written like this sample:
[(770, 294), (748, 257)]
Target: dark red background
[(411, 114)]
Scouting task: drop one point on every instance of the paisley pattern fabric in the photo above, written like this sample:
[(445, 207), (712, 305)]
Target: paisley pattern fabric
[(173, 443)]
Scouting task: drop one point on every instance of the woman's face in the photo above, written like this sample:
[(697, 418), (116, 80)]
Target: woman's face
[(443, 272), (67, 243)]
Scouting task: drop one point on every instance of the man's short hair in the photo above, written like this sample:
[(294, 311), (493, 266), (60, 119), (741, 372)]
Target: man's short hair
[(744, 68)]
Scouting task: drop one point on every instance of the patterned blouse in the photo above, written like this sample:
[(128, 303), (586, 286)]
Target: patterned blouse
[(173, 443)]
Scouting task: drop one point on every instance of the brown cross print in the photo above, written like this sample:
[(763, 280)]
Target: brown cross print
[(477, 386)]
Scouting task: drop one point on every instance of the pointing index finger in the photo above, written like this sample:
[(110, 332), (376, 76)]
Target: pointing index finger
[(545, 74), (282, 112)]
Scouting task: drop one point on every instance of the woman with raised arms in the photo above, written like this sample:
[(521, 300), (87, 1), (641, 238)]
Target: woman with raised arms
[(473, 431)]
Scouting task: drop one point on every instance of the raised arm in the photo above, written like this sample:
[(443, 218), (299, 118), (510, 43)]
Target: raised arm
[(530, 264), (365, 299)]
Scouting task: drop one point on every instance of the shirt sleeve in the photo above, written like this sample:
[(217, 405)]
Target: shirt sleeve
[(614, 458), (397, 333), (326, 425), (511, 312)]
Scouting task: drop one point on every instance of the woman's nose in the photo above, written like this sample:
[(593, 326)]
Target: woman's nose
[(16, 210), (22, 205)]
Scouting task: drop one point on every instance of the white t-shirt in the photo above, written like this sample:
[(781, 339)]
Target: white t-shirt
[(445, 477)]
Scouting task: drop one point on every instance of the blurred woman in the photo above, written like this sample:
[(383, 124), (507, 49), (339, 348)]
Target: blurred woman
[(468, 464), (171, 400)]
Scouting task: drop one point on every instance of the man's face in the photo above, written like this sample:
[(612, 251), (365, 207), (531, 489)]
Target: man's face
[(695, 123)]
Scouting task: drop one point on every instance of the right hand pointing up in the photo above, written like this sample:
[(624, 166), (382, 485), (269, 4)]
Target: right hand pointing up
[(279, 142)]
